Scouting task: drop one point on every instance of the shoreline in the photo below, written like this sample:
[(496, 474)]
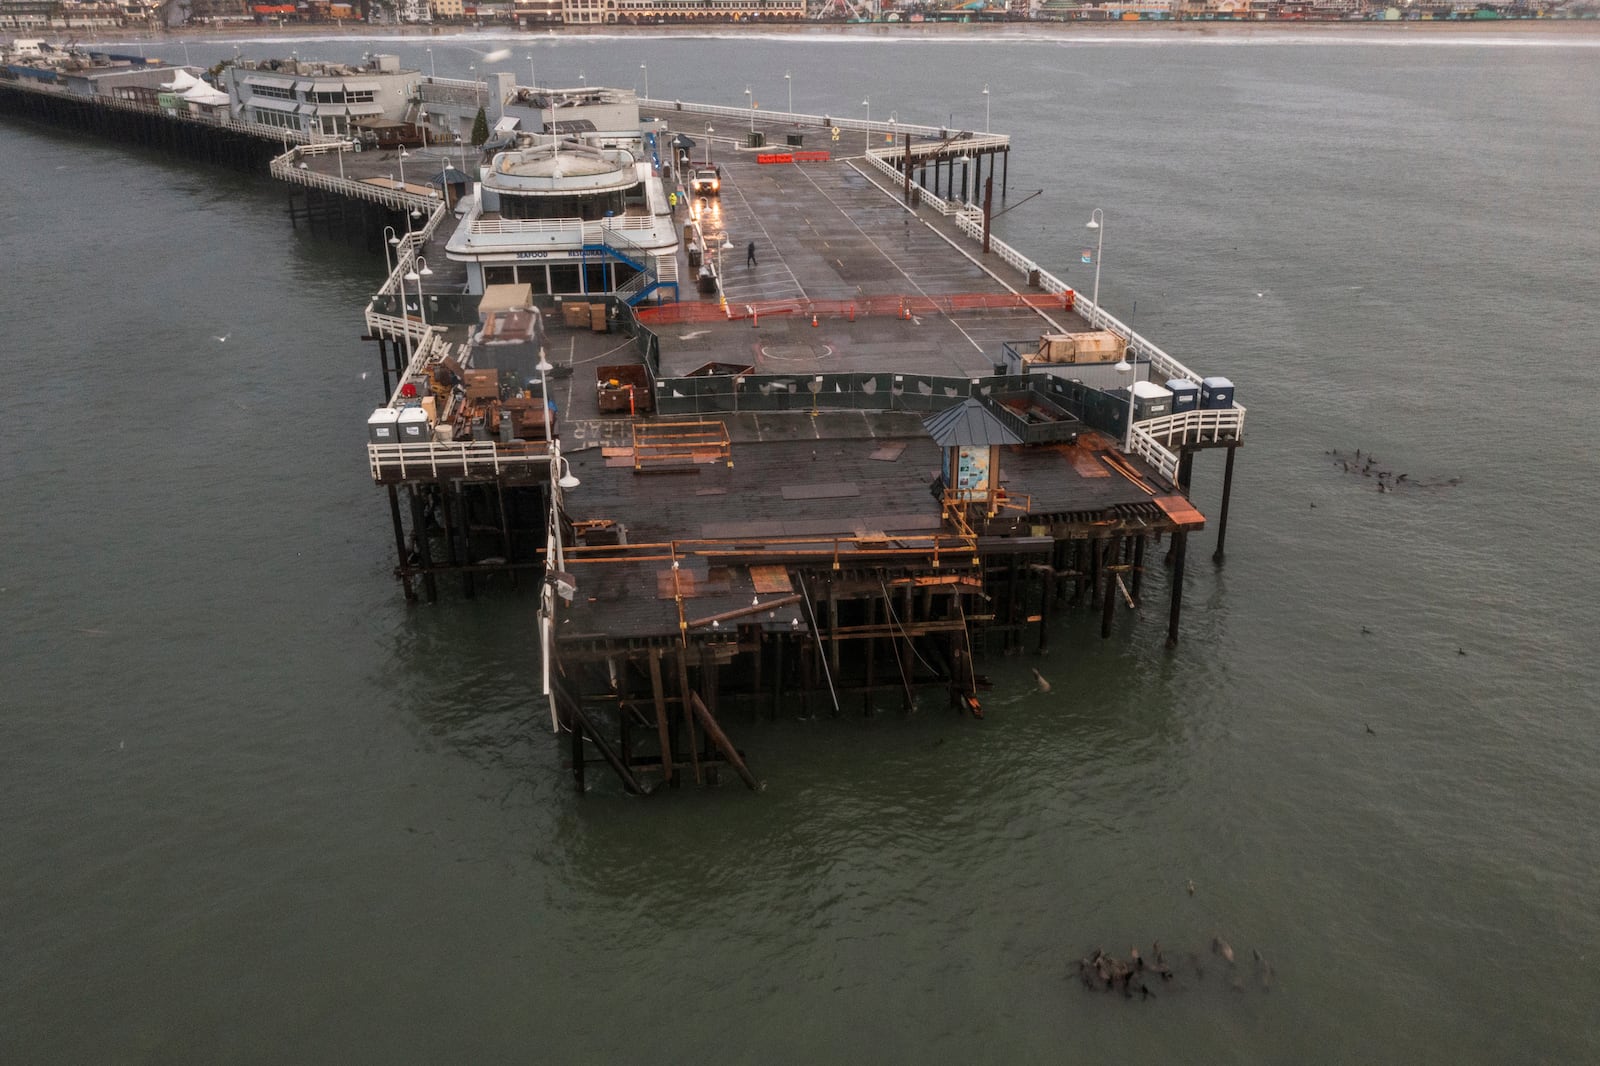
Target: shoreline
[(1173, 29)]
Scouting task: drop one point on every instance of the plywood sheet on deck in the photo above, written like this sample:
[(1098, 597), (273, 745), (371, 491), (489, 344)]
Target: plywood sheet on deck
[(1085, 462), (771, 579), (1181, 511)]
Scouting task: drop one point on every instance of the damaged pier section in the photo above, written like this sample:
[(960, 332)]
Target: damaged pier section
[(828, 477)]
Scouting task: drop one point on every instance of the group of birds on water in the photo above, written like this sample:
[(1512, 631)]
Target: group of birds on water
[(1137, 975), (1387, 481)]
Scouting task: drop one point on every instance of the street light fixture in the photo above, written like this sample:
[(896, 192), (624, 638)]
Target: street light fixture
[(646, 68), (986, 108), (432, 73), (1126, 364), (418, 271), (868, 105), (709, 131), (533, 78), (789, 80), (750, 102), (391, 239), (544, 367), (1097, 220)]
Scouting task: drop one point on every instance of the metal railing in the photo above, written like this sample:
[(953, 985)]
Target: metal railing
[(792, 118), (1196, 427), (216, 119), (969, 220), (456, 457), (287, 167), (591, 230), (1155, 453)]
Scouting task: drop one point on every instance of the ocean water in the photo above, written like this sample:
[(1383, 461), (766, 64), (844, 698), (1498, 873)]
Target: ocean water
[(258, 809)]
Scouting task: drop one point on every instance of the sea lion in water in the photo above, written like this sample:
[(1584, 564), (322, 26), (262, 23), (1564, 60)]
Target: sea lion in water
[(1189, 885), (1038, 679), (1263, 970), (1222, 947)]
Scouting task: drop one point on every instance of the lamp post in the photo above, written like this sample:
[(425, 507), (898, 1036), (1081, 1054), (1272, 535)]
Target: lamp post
[(1123, 367), (646, 68), (868, 105), (709, 131), (750, 102), (986, 108), (788, 79), (391, 239), (544, 368), (533, 78), (432, 73), (1097, 220), (422, 120), (419, 270)]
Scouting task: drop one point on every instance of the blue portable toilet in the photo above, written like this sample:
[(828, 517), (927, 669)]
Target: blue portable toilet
[(1216, 394), (1185, 395)]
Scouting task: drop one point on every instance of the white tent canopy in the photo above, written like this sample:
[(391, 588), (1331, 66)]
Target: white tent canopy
[(205, 95), (182, 81)]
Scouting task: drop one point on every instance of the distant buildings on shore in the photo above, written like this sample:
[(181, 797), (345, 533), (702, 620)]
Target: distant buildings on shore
[(44, 16)]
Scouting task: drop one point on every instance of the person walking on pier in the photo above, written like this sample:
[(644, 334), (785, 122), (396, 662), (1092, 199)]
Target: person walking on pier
[(750, 255)]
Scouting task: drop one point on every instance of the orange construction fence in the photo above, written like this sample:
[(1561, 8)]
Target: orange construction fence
[(793, 157), (897, 306)]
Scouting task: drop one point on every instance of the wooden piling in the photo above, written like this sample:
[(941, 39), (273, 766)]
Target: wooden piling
[(663, 728), (402, 563), (1180, 540), (1227, 494), (1108, 600)]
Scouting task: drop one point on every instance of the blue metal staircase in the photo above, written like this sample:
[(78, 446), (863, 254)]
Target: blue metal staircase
[(646, 282)]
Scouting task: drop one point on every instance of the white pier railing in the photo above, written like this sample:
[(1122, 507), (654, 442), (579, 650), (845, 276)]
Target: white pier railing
[(291, 167), (746, 116), (1150, 438), (1196, 427), (431, 458)]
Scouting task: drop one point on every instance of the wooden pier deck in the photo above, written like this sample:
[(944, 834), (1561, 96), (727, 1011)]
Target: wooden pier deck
[(773, 521)]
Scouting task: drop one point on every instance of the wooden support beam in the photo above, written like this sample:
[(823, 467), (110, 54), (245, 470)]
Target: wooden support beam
[(1108, 603), (720, 739), (576, 728), (663, 729), (419, 536), (582, 726), (740, 612), (1047, 583), (1138, 566), (907, 656), (872, 657), (833, 625), (682, 655)]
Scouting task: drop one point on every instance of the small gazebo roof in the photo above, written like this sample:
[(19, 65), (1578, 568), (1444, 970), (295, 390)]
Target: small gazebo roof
[(969, 423)]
